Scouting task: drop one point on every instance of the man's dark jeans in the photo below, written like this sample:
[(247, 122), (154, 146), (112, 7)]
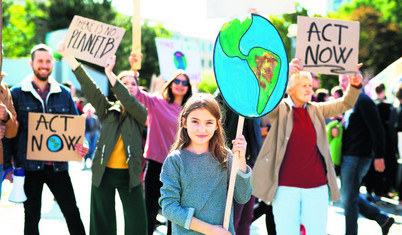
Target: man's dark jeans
[(60, 185)]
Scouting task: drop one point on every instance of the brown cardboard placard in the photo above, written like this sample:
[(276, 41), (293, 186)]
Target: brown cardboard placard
[(52, 137), (327, 46), (91, 40)]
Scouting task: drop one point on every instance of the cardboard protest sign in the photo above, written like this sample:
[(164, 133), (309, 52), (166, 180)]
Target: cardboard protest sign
[(175, 54), (327, 46), (52, 137), (91, 40), (225, 8)]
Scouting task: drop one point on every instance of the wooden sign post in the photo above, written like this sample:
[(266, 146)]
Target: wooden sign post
[(136, 34), (52, 137), (232, 180)]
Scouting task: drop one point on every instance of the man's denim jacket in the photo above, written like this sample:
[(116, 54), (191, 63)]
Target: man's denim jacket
[(26, 100)]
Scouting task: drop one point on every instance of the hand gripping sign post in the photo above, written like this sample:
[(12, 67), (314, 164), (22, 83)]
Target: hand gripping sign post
[(251, 70), (52, 137)]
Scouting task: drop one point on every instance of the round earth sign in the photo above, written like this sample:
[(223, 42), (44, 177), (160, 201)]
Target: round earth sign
[(251, 65), (180, 60), (54, 143)]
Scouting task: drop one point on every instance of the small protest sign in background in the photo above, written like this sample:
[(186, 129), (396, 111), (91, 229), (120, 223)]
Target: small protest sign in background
[(175, 54), (91, 40), (327, 46), (52, 137)]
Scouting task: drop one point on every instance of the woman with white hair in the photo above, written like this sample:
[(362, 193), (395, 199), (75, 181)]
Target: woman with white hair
[(294, 170)]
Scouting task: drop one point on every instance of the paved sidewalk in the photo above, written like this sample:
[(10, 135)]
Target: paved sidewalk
[(52, 222)]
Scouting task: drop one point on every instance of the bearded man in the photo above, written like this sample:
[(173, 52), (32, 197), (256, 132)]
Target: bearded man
[(41, 93)]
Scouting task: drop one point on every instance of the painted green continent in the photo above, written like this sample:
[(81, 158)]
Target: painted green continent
[(231, 34), (265, 66)]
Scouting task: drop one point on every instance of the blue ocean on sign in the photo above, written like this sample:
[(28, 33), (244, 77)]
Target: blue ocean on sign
[(251, 65)]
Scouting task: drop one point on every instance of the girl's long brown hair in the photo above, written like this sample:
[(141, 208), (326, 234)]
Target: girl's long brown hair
[(217, 145)]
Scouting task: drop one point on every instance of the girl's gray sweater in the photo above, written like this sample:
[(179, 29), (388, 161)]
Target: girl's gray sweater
[(195, 185)]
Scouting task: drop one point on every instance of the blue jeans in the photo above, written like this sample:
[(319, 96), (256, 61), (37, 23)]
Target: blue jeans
[(353, 169), (92, 140)]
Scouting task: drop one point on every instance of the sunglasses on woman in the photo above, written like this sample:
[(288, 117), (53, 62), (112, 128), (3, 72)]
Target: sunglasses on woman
[(177, 82)]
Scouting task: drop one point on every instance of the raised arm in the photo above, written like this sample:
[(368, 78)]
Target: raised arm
[(88, 86), (70, 59), (341, 105), (133, 59), (127, 99), (294, 66), (110, 63)]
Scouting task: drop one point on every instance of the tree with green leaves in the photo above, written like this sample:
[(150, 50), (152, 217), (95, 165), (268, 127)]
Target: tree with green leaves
[(22, 27), (391, 9), (61, 12), (380, 41), (150, 63)]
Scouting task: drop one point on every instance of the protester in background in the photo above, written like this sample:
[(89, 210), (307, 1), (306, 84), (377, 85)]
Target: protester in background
[(117, 162), (260, 207), (92, 128), (322, 95), (398, 128), (294, 169), (381, 183), (336, 92), (363, 133), (316, 85), (196, 173), (70, 86), (41, 93), (243, 213), (80, 105), (163, 112), (79, 102), (8, 120), (335, 132)]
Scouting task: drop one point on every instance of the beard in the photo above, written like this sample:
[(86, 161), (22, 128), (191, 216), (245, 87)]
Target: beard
[(42, 77)]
